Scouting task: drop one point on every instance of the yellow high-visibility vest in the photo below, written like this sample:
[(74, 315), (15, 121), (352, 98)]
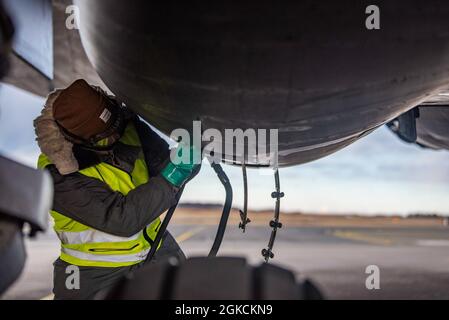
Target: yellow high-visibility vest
[(82, 245)]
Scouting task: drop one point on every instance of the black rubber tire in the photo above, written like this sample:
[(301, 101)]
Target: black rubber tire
[(219, 278)]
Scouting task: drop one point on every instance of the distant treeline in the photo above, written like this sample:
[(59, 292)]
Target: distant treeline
[(427, 215), (196, 205), (210, 206)]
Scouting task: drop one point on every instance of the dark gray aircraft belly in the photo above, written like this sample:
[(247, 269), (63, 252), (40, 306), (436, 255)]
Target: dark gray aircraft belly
[(432, 127), (310, 69)]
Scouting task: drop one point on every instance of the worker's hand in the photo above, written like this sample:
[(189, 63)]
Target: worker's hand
[(185, 163)]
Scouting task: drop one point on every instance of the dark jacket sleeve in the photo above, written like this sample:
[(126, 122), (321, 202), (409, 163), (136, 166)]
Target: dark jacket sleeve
[(91, 202), (155, 149)]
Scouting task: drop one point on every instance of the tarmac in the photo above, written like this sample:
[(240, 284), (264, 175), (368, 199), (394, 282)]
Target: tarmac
[(413, 261)]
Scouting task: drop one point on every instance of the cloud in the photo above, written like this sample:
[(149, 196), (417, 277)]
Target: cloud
[(18, 109)]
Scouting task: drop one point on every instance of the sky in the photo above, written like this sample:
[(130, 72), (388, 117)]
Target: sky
[(378, 174)]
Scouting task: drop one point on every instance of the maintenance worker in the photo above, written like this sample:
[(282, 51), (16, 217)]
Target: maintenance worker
[(113, 178)]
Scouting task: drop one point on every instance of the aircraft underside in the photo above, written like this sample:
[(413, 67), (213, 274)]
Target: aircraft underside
[(313, 71)]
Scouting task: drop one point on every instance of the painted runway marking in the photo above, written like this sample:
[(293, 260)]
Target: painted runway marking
[(51, 296), (357, 236), (188, 234), (433, 243)]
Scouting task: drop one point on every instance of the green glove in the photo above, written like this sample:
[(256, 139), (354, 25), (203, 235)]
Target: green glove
[(178, 174)]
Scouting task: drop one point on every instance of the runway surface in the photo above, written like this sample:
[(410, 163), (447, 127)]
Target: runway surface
[(413, 261)]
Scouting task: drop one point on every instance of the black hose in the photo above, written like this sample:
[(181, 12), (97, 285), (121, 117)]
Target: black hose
[(223, 221), (244, 213), (163, 227), (226, 208)]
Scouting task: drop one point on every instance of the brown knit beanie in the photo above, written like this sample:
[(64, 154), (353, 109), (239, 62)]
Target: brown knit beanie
[(82, 110)]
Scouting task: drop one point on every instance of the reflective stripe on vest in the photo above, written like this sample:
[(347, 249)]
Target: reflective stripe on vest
[(91, 236), (136, 257), (84, 246)]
